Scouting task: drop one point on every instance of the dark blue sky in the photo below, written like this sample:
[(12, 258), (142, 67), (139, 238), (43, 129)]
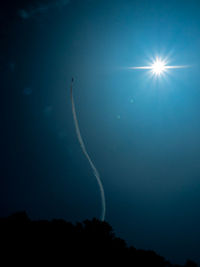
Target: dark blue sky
[(142, 133)]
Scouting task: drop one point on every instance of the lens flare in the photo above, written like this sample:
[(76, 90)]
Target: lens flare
[(159, 67)]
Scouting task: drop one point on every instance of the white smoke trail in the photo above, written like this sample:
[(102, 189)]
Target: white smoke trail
[(96, 174)]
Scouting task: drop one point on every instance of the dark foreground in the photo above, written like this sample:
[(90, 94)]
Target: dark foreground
[(61, 243)]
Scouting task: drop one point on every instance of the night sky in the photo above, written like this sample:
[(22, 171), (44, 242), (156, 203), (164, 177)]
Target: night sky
[(141, 132)]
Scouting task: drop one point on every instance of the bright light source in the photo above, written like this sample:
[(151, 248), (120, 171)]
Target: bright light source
[(158, 67)]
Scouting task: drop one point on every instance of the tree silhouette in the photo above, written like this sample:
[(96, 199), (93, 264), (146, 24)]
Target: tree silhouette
[(61, 242)]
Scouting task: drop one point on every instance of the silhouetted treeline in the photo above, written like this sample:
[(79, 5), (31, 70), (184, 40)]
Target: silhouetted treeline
[(61, 243)]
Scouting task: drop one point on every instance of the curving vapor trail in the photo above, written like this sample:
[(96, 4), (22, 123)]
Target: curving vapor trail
[(96, 174)]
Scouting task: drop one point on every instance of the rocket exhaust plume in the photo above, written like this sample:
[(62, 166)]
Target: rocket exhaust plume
[(95, 172)]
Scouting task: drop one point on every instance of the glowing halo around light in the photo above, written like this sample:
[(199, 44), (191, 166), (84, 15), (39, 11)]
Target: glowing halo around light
[(159, 67)]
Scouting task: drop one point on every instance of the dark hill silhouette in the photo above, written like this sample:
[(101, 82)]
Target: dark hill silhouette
[(61, 243)]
